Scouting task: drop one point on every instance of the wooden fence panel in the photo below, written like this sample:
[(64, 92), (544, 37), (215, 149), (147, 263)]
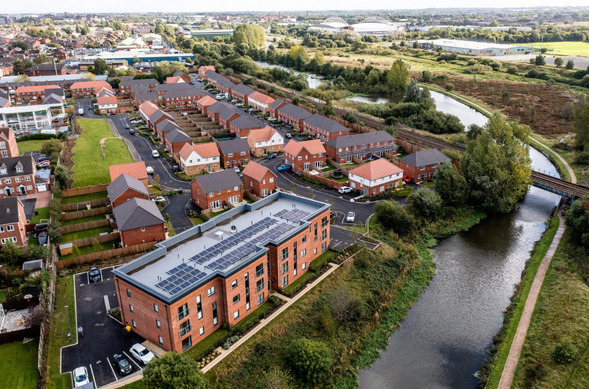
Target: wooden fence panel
[(100, 238), (82, 206), (84, 226), (104, 255), (17, 336), (85, 213), (84, 190)]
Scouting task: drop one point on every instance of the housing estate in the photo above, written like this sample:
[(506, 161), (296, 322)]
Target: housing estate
[(18, 177), (265, 141), (324, 128), (259, 180), (125, 188), (234, 152), (89, 88), (139, 221), (199, 158), (133, 169)]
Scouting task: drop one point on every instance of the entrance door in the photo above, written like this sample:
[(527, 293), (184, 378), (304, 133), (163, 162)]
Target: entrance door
[(22, 190), (264, 192), (8, 191)]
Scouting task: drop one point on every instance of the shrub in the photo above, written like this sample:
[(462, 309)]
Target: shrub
[(427, 203), (230, 341), (563, 353), (310, 359), (512, 70), (582, 158), (393, 216), (449, 87), (51, 147), (173, 370), (577, 221)]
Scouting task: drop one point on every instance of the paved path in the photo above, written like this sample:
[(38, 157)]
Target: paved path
[(524, 321), (561, 159)]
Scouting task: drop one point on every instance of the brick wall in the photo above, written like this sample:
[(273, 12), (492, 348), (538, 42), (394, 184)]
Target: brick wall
[(150, 234), (127, 195), (257, 187), (203, 200)]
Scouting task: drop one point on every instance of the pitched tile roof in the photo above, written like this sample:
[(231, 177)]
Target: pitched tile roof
[(312, 146), (294, 111), (242, 89), (104, 100), (134, 169), (233, 146), (184, 92), (142, 97), (376, 169), (324, 123), (148, 108), (157, 115), (207, 150), (260, 97), (35, 88), (96, 85), (221, 180), (9, 210), (255, 170), (166, 126), (424, 158), (262, 134), (244, 122), (218, 107), (276, 103), (122, 183), (177, 136), (227, 113), (144, 81), (137, 213), (206, 101), (360, 139), (26, 161)]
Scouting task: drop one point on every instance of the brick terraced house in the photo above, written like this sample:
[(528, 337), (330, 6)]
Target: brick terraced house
[(176, 139), (292, 115), (422, 165), (242, 125), (241, 92), (303, 156), (324, 128), (32, 93), (139, 221), (344, 149), (215, 190), (163, 127), (218, 273), (260, 101), (126, 86), (12, 222), (88, 88), (259, 180), (17, 176)]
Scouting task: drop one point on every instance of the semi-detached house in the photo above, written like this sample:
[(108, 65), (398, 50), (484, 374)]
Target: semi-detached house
[(242, 125), (376, 177), (344, 149), (32, 93), (125, 188), (422, 165), (234, 152), (241, 92), (18, 177), (176, 139), (8, 145), (199, 158), (216, 190), (139, 221), (163, 127), (265, 141), (259, 180), (260, 101)]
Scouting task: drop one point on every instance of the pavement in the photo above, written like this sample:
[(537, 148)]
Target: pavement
[(103, 336)]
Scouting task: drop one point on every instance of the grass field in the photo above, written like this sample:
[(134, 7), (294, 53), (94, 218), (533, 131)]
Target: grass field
[(571, 49), (90, 164), (30, 145), (18, 365)]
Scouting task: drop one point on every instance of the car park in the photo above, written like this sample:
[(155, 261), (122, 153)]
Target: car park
[(282, 168), (350, 217), (155, 153), (141, 353), (149, 169), (80, 376), (271, 156), (123, 364), (345, 189), (94, 274)]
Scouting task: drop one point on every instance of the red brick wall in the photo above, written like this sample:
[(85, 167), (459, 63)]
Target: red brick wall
[(414, 172), (19, 229), (236, 160), (11, 147), (127, 195), (306, 157), (151, 234), (175, 147), (14, 185), (227, 122), (256, 186), (203, 200)]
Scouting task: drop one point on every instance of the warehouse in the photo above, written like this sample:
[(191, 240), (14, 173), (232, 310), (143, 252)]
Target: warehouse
[(473, 48)]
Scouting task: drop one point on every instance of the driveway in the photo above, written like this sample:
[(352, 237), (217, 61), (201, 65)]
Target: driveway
[(103, 336)]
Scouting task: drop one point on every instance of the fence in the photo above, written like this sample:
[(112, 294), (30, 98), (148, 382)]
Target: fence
[(408, 148), (330, 183), (100, 238), (83, 205), (84, 191), (17, 336), (85, 213), (84, 226), (104, 255)]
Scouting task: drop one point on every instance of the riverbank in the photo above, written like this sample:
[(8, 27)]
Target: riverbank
[(353, 311)]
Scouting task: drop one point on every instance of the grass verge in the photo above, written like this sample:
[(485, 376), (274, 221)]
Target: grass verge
[(18, 365)]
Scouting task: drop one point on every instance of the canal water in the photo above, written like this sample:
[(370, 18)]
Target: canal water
[(312, 79)]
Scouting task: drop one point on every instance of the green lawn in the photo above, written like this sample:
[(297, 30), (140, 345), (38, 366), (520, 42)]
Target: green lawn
[(82, 198), (90, 249), (82, 220), (43, 213), (202, 348), (18, 365), (85, 234), (574, 49), (30, 145), (90, 163)]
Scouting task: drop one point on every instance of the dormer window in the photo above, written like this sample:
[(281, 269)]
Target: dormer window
[(3, 170), (19, 168)]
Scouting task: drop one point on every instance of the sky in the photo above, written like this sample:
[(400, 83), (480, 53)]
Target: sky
[(81, 6)]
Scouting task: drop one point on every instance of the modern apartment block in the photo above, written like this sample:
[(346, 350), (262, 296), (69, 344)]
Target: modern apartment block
[(220, 271)]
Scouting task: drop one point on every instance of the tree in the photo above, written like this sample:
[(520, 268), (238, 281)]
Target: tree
[(451, 185), (427, 203), (42, 58), (393, 216), (51, 146), (310, 359), (397, 78), (19, 66), (173, 371), (570, 64), (298, 52), (100, 66), (558, 62), (319, 58), (62, 175), (20, 44), (540, 60), (496, 165), (10, 253), (581, 124), (250, 35), (412, 92), (577, 221), (344, 305)]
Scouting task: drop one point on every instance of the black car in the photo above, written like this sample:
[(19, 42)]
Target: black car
[(94, 274), (123, 364), (132, 131)]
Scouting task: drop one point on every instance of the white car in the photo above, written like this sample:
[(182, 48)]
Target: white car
[(155, 153), (159, 199), (236, 168), (143, 354), (80, 375), (350, 217), (149, 170), (345, 189)]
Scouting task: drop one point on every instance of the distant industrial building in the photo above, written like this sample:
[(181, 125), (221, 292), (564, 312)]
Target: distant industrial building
[(143, 55), (473, 48), (374, 27), (210, 34)]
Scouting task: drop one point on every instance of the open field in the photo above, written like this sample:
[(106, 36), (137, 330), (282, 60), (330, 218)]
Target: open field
[(573, 49), (30, 145), (18, 365), (91, 162)]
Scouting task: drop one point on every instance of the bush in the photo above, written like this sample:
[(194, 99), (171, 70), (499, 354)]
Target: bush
[(230, 341), (173, 370), (512, 70), (35, 137), (393, 216), (310, 359), (51, 147), (577, 221), (582, 158), (449, 87), (563, 353), (427, 203)]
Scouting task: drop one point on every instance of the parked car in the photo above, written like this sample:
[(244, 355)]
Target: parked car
[(141, 353), (236, 168), (283, 167), (123, 363), (132, 131), (94, 274), (288, 135), (345, 189), (159, 199), (155, 153), (149, 170), (406, 179), (175, 168), (219, 97), (350, 217), (272, 119), (44, 157), (80, 376), (271, 156), (127, 127), (44, 164)]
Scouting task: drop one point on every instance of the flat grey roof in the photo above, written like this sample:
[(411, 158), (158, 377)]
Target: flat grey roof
[(221, 246)]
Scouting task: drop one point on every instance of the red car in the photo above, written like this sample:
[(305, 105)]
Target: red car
[(406, 179)]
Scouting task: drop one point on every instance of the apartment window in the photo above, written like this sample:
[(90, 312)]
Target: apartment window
[(260, 299), (215, 318), (324, 222), (128, 293), (284, 254), (142, 229), (201, 331), (236, 299), (156, 308), (284, 268), (323, 247), (158, 324), (235, 314), (27, 178), (211, 291), (134, 324), (160, 339), (131, 308), (2, 145), (260, 270), (9, 228), (304, 265), (247, 291), (259, 285), (315, 251), (323, 234), (14, 239), (304, 239), (185, 328), (234, 284), (315, 232), (271, 179), (199, 307), (187, 343), (183, 311), (285, 281)]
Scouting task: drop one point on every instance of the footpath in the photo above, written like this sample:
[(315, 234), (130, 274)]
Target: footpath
[(524, 321)]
